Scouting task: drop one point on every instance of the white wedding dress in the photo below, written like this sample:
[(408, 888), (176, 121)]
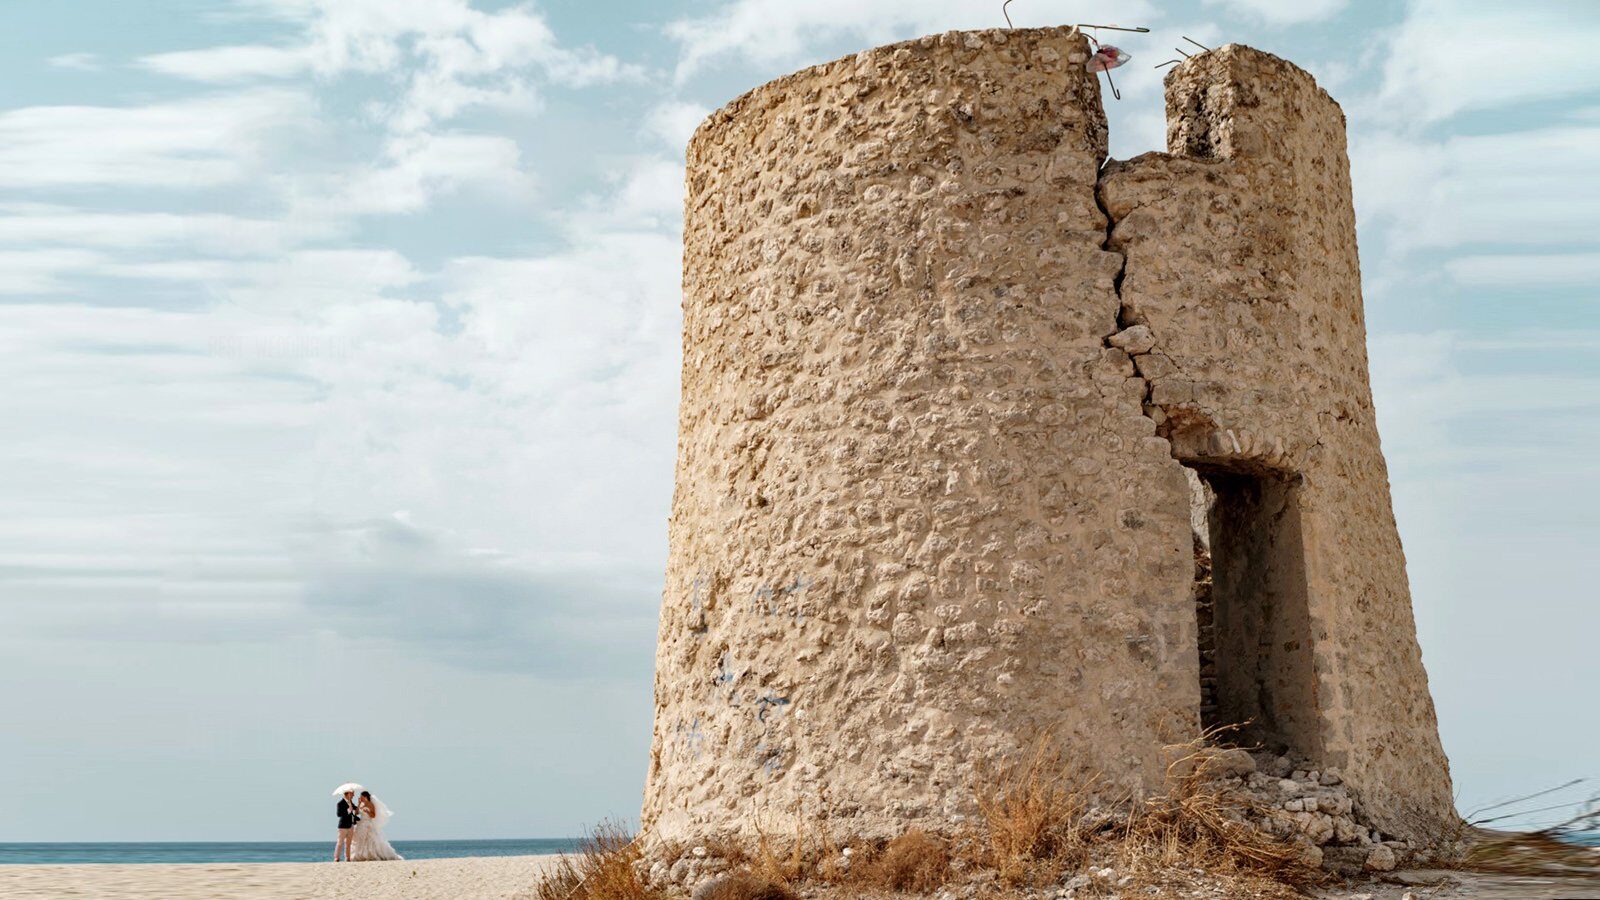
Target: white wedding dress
[(368, 843)]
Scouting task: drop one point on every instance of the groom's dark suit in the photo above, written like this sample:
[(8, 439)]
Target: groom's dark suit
[(347, 814)]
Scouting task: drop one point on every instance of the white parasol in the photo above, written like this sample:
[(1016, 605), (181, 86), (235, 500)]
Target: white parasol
[(347, 787)]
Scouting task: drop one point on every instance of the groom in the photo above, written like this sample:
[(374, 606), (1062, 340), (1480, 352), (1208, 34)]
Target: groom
[(348, 816)]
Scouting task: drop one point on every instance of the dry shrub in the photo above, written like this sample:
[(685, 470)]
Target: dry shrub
[(1535, 853), (914, 861), (1197, 822), (802, 857), (1038, 821), (746, 886), (1033, 816), (774, 862), (1548, 851), (603, 869), (723, 847)]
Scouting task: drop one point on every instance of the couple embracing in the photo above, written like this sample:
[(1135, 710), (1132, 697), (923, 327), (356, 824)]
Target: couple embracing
[(361, 821)]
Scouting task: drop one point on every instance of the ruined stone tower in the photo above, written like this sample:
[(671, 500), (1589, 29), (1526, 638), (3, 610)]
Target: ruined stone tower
[(947, 383)]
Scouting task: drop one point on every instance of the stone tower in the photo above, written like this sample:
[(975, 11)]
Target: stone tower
[(948, 386)]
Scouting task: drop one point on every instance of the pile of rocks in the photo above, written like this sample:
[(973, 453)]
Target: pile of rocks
[(1293, 799), (693, 867)]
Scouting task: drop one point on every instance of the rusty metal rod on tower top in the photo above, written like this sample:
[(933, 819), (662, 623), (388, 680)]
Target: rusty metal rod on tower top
[(1007, 14)]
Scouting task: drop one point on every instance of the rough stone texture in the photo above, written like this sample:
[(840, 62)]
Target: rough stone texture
[(931, 492), (1314, 808), (1241, 259)]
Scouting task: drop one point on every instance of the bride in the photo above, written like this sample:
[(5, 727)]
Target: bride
[(368, 842)]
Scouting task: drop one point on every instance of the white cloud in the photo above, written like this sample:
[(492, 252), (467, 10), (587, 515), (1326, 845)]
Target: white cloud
[(82, 62), (1452, 56), (449, 55), (674, 122), (1494, 206), (1538, 340), (1513, 188), (416, 168), (193, 143), (344, 396), (551, 327), (43, 223), (772, 32), (443, 58), (1283, 12), (302, 285), (1530, 270), (123, 473), (319, 384), (41, 271), (229, 64), (1444, 414), (647, 193), (478, 63), (392, 579)]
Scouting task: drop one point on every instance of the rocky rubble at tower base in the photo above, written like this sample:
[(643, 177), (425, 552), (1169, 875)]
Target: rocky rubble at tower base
[(1294, 804), (1313, 808)]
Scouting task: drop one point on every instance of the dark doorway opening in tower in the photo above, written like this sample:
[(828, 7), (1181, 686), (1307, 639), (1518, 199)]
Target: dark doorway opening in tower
[(1258, 681)]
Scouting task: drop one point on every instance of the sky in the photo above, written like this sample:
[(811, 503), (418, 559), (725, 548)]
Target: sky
[(339, 350)]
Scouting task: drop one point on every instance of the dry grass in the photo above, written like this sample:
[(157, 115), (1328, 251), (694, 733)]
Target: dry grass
[(748, 886), (915, 861), (1198, 823), (786, 861), (1547, 851), (735, 851), (1033, 816), (1534, 853), (603, 869), (1038, 823)]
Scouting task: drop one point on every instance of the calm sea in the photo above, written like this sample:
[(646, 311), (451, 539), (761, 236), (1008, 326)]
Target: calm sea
[(297, 851), (307, 851)]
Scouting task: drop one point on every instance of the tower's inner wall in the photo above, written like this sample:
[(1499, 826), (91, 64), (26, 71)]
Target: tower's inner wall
[(1263, 645)]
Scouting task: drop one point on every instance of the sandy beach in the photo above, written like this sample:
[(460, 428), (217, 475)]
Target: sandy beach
[(472, 878), (513, 878)]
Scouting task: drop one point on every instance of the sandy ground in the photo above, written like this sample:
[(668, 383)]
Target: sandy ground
[(1435, 885), (498, 877), (512, 877)]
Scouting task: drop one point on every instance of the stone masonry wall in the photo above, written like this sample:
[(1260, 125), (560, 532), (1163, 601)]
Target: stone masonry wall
[(923, 511), (1241, 261)]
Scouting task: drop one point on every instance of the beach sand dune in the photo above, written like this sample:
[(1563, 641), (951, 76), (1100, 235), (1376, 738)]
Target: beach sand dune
[(491, 878)]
